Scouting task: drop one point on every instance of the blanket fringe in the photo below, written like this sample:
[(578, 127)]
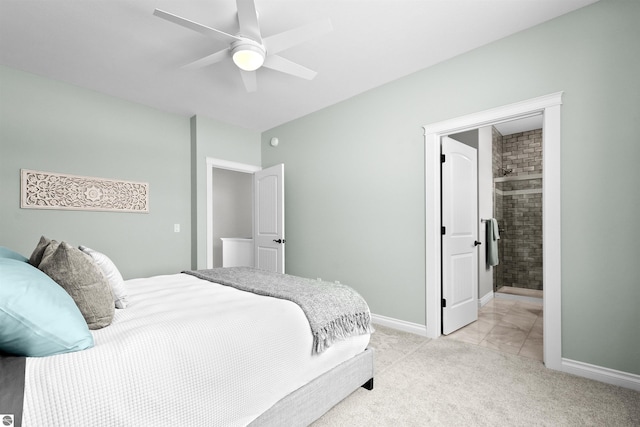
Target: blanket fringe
[(341, 328)]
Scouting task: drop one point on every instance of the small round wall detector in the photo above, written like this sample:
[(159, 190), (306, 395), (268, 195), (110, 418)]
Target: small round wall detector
[(274, 142)]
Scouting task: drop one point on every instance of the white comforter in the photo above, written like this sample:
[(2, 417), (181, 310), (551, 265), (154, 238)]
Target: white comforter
[(186, 352)]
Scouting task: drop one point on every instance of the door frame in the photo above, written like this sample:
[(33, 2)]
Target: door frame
[(213, 163), (549, 106)]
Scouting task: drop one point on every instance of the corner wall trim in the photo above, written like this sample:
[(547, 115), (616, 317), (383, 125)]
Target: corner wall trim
[(485, 299), (401, 325), (599, 373)]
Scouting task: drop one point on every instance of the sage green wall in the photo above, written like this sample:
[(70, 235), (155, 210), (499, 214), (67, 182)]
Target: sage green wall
[(218, 140), (355, 174), (55, 127)]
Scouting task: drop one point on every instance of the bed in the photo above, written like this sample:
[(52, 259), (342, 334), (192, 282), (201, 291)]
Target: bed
[(193, 352)]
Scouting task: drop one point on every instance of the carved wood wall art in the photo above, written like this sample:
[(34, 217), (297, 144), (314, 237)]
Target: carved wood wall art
[(48, 190)]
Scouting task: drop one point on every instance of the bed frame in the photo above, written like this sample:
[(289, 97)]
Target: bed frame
[(11, 386), (300, 408), (311, 401)]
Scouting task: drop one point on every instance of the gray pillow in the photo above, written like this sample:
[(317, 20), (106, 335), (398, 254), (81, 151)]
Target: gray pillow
[(83, 280), (36, 256)]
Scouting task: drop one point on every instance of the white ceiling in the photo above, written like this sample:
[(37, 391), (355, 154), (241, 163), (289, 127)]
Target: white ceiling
[(520, 125), (118, 47)]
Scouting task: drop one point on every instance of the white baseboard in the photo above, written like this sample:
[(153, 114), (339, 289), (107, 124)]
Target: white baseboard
[(598, 373), (401, 325), (485, 299)]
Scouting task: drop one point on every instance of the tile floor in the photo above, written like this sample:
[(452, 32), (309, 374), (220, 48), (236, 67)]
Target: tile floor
[(506, 325)]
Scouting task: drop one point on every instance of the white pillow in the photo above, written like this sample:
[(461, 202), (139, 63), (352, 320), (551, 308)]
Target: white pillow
[(113, 275)]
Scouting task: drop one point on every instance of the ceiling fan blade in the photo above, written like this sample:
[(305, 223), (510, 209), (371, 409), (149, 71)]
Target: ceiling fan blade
[(285, 40), (208, 60), (249, 80), (202, 29), (248, 19), (283, 65)]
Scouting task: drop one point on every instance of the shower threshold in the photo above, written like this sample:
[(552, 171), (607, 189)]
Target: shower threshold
[(520, 294)]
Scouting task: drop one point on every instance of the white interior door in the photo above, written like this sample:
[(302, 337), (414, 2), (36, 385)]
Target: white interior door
[(269, 219), (459, 241)]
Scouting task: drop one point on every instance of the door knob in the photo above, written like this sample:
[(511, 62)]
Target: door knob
[(476, 243), (279, 240)]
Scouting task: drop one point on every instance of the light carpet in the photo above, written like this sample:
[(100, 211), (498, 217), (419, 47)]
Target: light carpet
[(443, 382)]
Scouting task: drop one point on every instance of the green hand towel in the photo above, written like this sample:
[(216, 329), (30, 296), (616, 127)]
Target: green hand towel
[(492, 242)]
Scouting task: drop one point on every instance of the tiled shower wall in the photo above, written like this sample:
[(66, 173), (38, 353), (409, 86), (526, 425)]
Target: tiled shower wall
[(518, 208)]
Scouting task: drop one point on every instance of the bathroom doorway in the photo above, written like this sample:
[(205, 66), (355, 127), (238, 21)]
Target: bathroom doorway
[(510, 315), (549, 106), (267, 201)]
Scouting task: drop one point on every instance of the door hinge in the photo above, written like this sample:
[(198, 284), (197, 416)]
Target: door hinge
[(444, 303), (442, 158), (443, 230)]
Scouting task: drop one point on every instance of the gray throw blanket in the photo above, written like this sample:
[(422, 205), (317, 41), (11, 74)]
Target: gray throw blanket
[(334, 311)]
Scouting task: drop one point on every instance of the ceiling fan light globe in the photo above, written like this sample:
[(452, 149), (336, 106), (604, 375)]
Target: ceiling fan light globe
[(248, 57)]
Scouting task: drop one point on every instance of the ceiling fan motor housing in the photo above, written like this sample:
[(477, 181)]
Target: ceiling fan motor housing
[(248, 54)]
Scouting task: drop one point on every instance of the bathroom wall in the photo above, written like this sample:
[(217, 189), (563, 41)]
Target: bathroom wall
[(232, 208), (519, 209)]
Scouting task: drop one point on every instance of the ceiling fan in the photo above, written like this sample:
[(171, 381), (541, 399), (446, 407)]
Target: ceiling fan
[(248, 49)]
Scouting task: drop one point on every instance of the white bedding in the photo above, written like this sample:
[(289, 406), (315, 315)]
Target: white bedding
[(185, 352)]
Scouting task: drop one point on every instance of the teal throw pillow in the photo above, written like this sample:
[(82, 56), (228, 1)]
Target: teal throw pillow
[(8, 253), (37, 316)]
